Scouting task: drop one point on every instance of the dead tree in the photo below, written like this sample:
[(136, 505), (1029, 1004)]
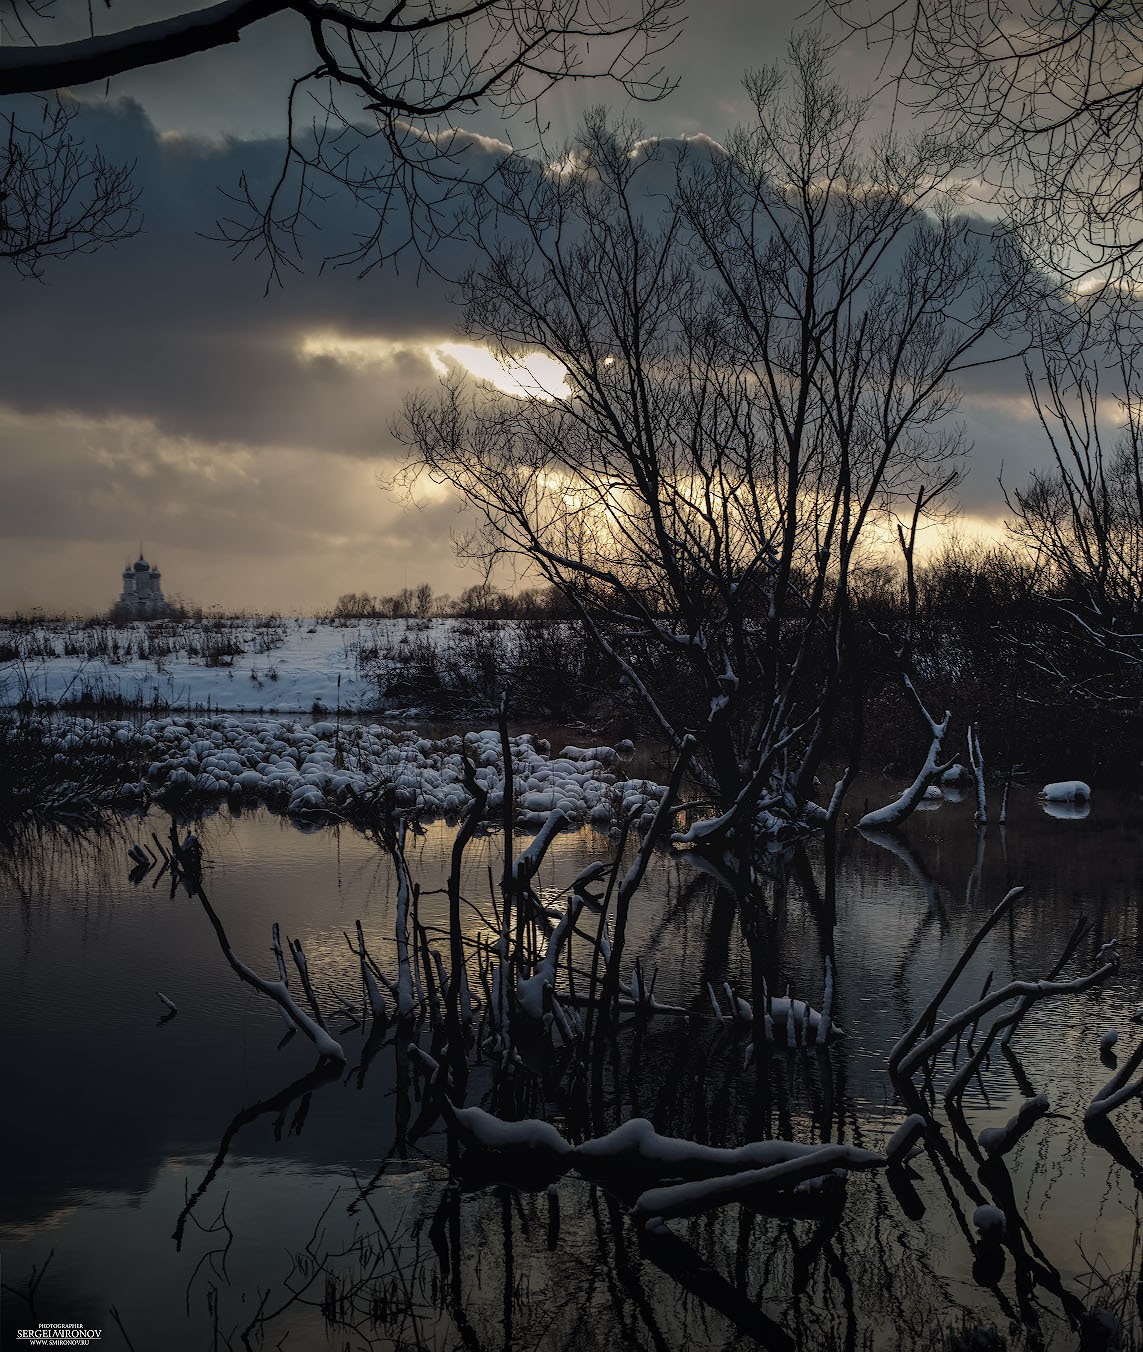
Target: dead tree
[(748, 383), (893, 814)]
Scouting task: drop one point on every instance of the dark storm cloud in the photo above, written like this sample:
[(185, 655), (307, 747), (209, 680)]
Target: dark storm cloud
[(248, 81), (151, 393), (167, 326)]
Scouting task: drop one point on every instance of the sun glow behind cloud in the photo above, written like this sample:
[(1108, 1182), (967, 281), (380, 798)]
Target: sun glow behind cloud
[(533, 376), (353, 352)]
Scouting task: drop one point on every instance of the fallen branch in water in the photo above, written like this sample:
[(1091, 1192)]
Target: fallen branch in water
[(328, 1050), (1032, 990), (1118, 1089)]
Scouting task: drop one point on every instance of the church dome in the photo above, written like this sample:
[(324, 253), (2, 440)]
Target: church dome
[(141, 565)]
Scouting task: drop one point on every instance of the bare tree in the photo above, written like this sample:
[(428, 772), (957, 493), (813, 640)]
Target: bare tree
[(55, 197), (758, 344), (387, 83), (1082, 519), (1049, 94)]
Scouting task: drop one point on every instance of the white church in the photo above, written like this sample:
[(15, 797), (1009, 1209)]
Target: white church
[(142, 595)]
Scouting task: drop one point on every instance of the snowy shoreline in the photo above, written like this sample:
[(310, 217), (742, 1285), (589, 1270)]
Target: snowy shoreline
[(444, 668), (323, 770)]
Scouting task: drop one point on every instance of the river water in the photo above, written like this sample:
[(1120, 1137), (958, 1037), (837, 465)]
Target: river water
[(188, 1182)]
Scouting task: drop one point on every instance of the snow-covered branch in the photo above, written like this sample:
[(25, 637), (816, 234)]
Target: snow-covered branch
[(1118, 1089), (692, 1199), (976, 760), (369, 976), (893, 814), (530, 990), (636, 1155), (927, 1016), (1031, 990), (998, 1141), (545, 40), (327, 1048), (25, 70)]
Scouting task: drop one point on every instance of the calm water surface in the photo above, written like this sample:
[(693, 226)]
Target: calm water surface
[(194, 1175)]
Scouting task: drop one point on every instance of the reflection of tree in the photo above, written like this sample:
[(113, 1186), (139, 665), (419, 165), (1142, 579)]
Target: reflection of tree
[(501, 1261), (896, 845), (279, 1103), (496, 1269), (27, 1292), (683, 1265), (926, 881), (924, 1048), (380, 1282), (1103, 1133), (366, 1282)]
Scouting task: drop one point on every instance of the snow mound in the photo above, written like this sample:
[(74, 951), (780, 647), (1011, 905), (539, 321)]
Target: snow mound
[(989, 1222), (307, 769), (1066, 791)]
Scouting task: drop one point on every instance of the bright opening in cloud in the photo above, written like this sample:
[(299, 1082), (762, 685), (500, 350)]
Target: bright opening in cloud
[(356, 352), (535, 376)]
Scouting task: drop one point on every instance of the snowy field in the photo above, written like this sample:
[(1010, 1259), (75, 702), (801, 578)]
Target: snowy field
[(271, 666)]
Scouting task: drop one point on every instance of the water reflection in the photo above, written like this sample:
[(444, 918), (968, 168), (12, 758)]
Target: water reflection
[(201, 1177), (1073, 812)]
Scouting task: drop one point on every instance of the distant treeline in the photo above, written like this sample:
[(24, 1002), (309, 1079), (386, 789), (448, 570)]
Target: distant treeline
[(479, 602), (179, 613), (1002, 639)]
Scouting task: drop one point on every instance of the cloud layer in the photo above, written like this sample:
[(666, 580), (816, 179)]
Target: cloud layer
[(153, 393)]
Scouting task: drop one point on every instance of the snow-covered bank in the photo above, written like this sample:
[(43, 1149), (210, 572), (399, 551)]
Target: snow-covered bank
[(277, 666), (392, 668), (318, 768)]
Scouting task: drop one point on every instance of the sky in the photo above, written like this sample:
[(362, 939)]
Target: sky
[(155, 395)]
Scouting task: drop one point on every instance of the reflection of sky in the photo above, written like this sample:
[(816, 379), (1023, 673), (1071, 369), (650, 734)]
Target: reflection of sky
[(111, 1248), (115, 1113)]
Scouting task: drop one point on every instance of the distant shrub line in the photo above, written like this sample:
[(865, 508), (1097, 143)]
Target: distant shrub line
[(480, 602), (463, 671)]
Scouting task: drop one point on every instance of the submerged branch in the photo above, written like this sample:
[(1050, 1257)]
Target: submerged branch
[(328, 1050)]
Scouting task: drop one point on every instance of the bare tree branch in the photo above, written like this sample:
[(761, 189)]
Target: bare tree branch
[(388, 82), (759, 364), (56, 198), (1049, 94)]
